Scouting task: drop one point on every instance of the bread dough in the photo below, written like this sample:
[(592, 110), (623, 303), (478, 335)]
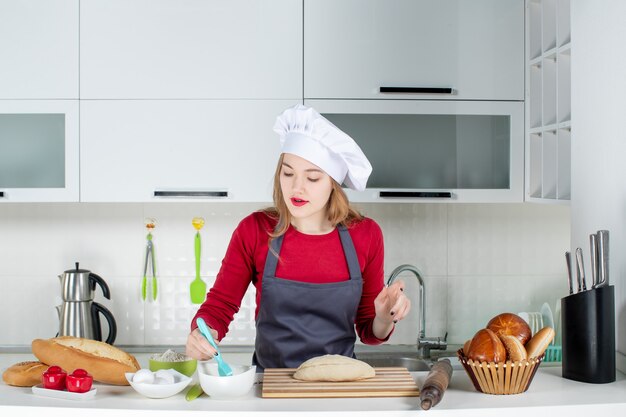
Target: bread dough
[(334, 368)]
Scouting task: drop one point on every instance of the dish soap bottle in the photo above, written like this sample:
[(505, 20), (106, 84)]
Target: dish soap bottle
[(436, 383)]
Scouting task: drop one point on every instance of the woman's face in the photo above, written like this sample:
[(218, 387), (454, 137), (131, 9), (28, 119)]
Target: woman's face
[(305, 187)]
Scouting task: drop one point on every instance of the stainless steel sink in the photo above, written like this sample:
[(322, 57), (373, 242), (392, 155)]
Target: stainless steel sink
[(387, 359)]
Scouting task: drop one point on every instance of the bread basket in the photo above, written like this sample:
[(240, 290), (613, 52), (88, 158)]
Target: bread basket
[(500, 378)]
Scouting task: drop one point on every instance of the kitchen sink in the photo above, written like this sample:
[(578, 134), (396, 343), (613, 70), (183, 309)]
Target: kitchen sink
[(388, 359)]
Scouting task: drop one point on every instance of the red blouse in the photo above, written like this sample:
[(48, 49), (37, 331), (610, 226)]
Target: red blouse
[(306, 258)]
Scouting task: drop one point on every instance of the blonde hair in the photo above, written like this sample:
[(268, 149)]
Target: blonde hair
[(338, 208)]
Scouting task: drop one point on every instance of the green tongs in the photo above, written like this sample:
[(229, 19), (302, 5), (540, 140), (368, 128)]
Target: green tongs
[(150, 224)]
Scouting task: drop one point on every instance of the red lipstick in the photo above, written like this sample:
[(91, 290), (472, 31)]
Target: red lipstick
[(298, 202)]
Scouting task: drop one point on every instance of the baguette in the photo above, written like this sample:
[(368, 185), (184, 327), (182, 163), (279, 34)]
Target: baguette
[(24, 374), (106, 363)]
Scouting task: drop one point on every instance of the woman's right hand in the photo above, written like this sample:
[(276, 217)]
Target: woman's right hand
[(198, 347)]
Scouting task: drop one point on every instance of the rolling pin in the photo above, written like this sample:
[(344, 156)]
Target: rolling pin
[(436, 383)]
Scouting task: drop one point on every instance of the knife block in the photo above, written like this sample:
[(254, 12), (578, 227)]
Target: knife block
[(588, 335)]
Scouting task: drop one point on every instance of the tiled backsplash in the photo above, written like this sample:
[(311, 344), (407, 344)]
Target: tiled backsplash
[(477, 260)]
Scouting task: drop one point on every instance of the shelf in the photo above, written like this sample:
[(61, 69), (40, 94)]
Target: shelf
[(548, 73), (535, 168), (548, 103), (563, 29), (535, 96), (563, 175), (534, 18), (548, 24), (564, 106), (549, 165)]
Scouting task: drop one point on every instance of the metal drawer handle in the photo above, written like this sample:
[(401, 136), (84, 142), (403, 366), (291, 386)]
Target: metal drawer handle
[(192, 194), (415, 194), (419, 90)]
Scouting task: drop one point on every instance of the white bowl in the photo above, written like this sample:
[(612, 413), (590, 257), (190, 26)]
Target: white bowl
[(160, 390), (225, 387)]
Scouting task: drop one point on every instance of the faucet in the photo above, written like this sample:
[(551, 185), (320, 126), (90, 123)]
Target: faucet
[(424, 344)]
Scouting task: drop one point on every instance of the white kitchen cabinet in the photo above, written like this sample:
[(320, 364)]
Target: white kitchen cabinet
[(179, 150), (39, 49), (435, 151), (39, 151), (548, 101), (191, 49), (475, 48)]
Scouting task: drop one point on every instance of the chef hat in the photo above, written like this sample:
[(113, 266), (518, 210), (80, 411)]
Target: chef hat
[(306, 133)]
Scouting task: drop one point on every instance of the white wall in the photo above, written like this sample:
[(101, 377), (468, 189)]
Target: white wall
[(478, 260), (599, 138)]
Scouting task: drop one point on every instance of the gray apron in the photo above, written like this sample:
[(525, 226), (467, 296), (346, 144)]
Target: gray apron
[(300, 320)]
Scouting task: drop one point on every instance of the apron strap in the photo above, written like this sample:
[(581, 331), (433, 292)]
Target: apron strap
[(271, 261), (349, 252)]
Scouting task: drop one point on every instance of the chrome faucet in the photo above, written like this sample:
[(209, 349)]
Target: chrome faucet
[(424, 344)]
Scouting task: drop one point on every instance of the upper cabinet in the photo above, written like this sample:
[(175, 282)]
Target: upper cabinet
[(196, 49), (435, 150), (38, 150), (178, 150), (39, 49), (445, 49)]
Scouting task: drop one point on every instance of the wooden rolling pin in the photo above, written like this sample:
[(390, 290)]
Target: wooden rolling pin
[(436, 383)]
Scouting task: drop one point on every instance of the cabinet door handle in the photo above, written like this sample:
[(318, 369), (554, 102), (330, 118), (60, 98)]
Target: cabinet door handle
[(1, 194), (419, 90), (192, 194), (415, 194)]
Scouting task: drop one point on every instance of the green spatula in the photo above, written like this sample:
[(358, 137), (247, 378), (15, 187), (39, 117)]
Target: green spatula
[(197, 289)]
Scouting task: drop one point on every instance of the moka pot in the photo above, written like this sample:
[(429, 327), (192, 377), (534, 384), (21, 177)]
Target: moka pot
[(79, 315)]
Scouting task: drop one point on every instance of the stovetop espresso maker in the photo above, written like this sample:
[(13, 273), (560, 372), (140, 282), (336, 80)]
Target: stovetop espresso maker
[(79, 315)]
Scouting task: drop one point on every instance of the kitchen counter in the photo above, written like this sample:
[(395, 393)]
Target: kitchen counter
[(548, 393)]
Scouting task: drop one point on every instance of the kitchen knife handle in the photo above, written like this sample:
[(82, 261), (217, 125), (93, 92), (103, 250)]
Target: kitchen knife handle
[(580, 270), (603, 257), (568, 262), (417, 90), (593, 249)]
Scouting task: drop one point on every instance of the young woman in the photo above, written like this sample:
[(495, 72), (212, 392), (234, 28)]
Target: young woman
[(316, 263)]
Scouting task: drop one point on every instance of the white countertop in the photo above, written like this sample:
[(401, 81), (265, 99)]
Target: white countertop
[(549, 394)]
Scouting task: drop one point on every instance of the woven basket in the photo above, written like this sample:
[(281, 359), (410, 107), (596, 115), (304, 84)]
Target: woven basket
[(500, 378)]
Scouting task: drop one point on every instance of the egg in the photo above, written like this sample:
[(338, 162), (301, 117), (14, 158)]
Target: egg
[(163, 377), (143, 376)]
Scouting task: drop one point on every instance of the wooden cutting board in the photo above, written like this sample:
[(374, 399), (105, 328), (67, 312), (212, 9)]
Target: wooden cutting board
[(388, 382)]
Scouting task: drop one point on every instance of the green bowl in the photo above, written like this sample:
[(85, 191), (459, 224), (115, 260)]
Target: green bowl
[(186, 367)]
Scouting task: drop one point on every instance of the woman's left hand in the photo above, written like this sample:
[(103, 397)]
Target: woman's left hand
[(391, 305)]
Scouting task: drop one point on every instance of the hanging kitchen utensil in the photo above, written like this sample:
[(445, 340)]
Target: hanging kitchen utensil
[(222, 367), (197, 288), (150, 225)]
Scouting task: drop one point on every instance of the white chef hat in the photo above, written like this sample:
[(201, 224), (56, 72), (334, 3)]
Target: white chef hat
[(306, 133)]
